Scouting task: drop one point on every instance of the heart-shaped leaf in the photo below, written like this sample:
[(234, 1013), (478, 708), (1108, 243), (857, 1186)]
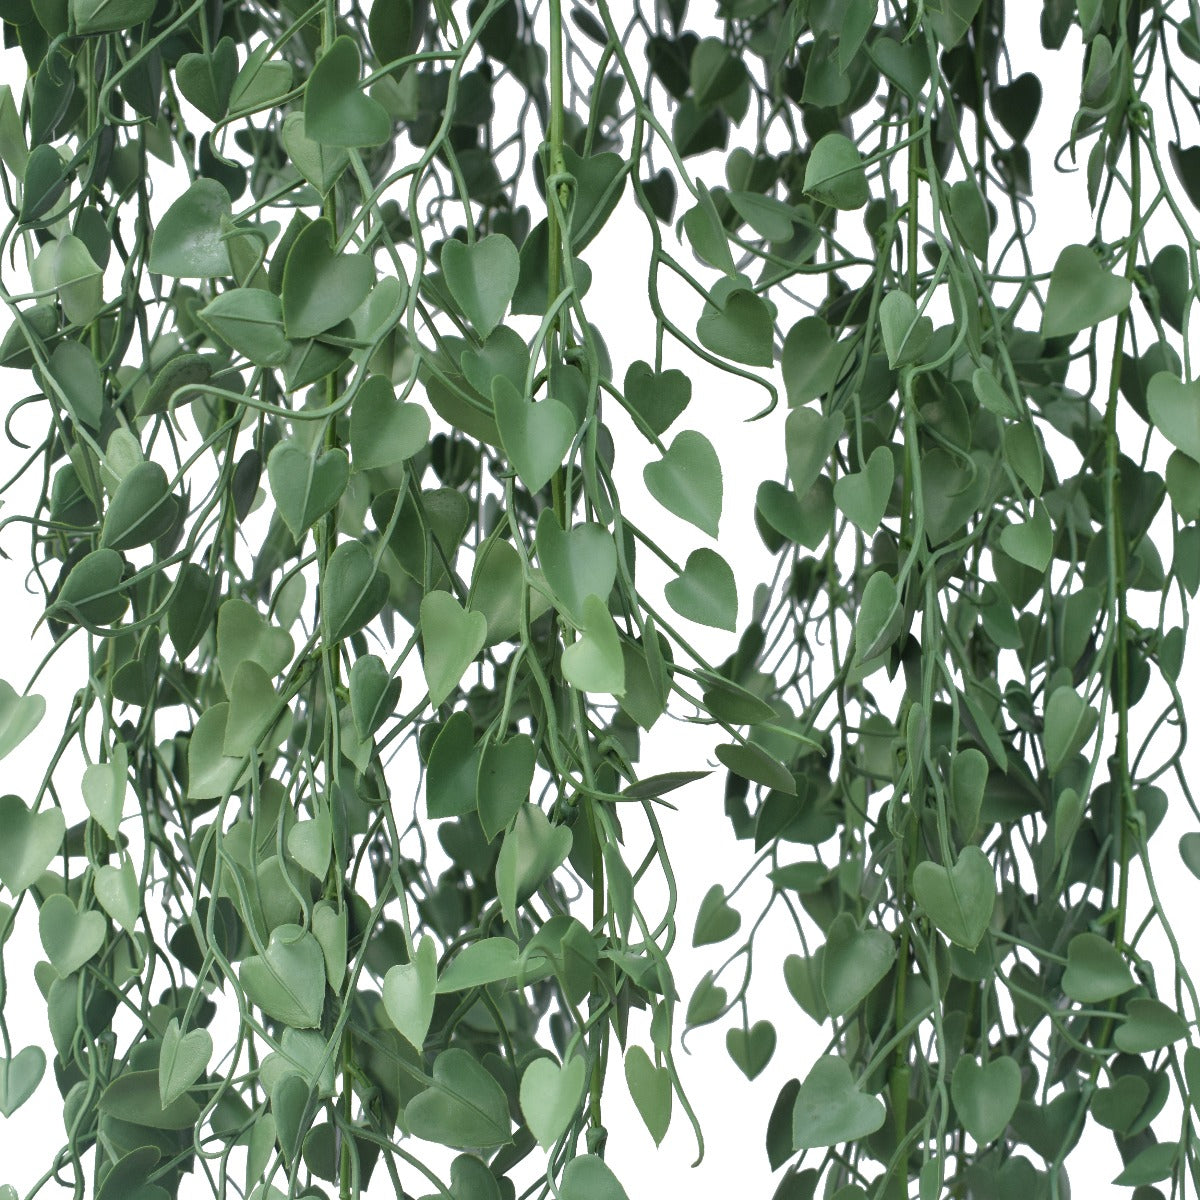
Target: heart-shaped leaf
[(1174, 407), (305, 484), (687, 481), (1016, 105), (657, 397), (244, 633), (30, 842), (706, 592), (834, 174), (985, 1095), (261, 80), (751, 1049), (1118, 1106), (958, 899), (184, 1057), (505, 777), (651, 1090), (1069, 724), (737, 324), (141, 510), (451, 637), (905, 334), (118, 893), (531, 852), (409, 991), (450, 777), (1082, 293), (1096, 970), (189, 240), (578, 563), (320, 286), (716, 919), (206, 80), (19, 717), (1150, 1026), (253, 705), (464, 1107), (589, 1177), (829, 1108), (550, 1096), (536, 436), (69, 937), (594, 662), (310, 843), (337, 112), (384, 432), (91, 592), (482, 278), (864, 496), (108, 16), (287, 981), (353, 590), (321, 164), (854, 961), (809, 440), (19, 1078)]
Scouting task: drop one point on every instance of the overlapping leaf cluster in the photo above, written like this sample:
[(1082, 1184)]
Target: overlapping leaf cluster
[(324, 431)]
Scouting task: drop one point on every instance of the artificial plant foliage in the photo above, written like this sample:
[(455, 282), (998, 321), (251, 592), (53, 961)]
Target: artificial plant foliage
[(324, 430)]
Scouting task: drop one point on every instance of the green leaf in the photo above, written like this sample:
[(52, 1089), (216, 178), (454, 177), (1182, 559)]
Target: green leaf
[(834, 174), (206, 80), (189, 241), (594, 661), (211, 773), (588, 1177), (262, 80), (320, 164), (465, 1107), (19, 1078), (92, 591), (287, 981), (30, 842), (905, 334), (75, 371), (1082, 294), (452, 769), (830, 1109), (958, 899), (737, 324), (409, 991), (133, 1098), (864, 495), (505, 777), (108, 16), (451, 637), (531, 852), (855, 960), (352, 592), (374, 694), (306, 485), (706, 592), (320, 286), (383, 431), (141, 510), (1096, 970), (751, 1049), (78, 280), (716, 920), (1174, 408), (809, 438), (244, 633), (104, 787), (550, 1096), (489, 960), (1030, 542), (985, 1095), (536, 436), (812, 362), (118, 893), (184, 1057), (337, 112), (69, 937), (686, 481), (1149, 1026), (482, 278), (19, 717), (651, 1091), (577, 563), (1069, 725), (250, 321), (752, 763)]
